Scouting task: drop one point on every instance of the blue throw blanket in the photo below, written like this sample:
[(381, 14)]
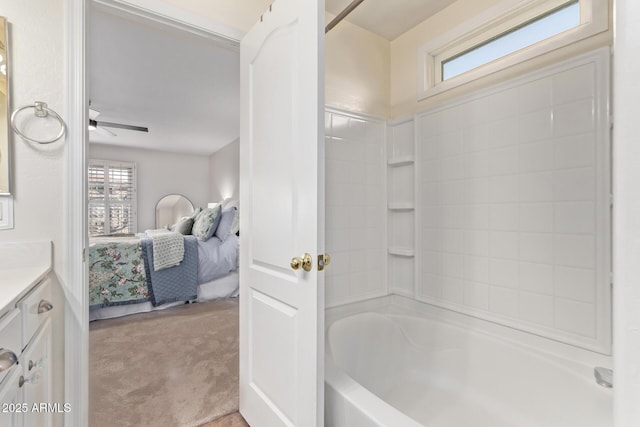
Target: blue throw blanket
[(179, 283)]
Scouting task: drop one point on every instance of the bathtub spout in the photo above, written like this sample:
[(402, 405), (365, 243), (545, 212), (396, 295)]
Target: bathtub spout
[(604, 376)]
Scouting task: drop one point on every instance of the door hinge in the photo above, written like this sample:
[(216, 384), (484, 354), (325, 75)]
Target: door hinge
[(610, 200), (611, 278), (84, 254)]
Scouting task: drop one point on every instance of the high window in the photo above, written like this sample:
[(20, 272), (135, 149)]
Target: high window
[(504, 36), (112, 198), (541, 28)]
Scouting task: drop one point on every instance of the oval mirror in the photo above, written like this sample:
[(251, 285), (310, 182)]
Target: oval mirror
[(171, 208)]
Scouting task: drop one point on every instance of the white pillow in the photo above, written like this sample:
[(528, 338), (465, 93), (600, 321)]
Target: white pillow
[(228, 203)]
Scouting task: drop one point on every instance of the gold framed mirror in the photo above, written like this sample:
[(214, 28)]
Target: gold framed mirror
[(5, 145)]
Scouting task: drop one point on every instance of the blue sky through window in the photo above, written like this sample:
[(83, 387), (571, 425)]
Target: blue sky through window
[(549, 25)]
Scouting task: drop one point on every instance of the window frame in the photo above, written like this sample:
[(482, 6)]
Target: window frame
[(498, 20), (133, 203)]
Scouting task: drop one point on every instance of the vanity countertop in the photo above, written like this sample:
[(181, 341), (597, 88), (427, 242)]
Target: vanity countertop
[(22, 265)]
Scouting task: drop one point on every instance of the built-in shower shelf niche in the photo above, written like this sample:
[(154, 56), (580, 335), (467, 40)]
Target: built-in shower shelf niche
[(400, 142), (403, 252), (406, 206), (401, 216), (402, 275), (401, 227), (401, 184), (401, 161)]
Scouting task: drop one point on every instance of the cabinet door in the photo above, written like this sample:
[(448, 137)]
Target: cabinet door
[(36, 366), (11, 407)]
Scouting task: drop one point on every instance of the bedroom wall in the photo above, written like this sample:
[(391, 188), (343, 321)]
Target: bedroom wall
[(160, 173), (224, 172), (404, 70)]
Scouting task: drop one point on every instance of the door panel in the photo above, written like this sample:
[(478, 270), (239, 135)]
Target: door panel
[(282, 132), (273, 355), (273, 163)]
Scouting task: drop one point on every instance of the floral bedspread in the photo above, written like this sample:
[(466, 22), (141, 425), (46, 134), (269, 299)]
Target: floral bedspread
[(116, 272)]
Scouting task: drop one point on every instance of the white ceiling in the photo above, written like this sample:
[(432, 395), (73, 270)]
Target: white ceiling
[(389, 18), (184, 88)]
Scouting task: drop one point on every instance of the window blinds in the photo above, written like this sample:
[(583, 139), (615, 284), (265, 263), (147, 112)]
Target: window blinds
[(112, 197)]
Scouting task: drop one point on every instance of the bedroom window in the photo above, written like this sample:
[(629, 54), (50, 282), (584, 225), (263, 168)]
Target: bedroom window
[(112, 198), (507, 34)]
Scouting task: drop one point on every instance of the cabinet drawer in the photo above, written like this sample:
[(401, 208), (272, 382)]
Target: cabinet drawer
[(36, 309), (36, 371), (11, 412), (10, 337)]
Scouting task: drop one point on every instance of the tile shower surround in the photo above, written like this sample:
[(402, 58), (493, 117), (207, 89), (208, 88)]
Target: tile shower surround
[(513, 227), (355, 208), (498, 204)]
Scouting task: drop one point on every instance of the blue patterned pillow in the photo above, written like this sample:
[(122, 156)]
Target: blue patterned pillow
[(206, 223)]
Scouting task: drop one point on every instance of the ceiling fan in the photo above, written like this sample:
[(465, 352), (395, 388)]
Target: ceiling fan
[(103, 126)]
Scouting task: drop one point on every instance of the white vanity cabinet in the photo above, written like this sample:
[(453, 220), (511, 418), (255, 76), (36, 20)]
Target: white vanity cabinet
[(10, 370), (36, 310), (36, 383), (11, 414), (26, 387)]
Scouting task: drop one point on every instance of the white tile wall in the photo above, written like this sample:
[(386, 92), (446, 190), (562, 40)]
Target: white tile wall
[(355, 230), (511, 205)]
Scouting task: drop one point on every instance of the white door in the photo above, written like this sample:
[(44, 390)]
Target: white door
[(281, 217)]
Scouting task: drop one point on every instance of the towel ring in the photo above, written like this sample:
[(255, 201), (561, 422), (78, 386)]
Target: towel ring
[(40, 110)]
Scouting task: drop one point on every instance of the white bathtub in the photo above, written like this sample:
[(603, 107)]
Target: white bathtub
[(386, 368)]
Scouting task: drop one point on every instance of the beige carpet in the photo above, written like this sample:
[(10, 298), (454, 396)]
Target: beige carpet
[(175, 367), (231, 420)]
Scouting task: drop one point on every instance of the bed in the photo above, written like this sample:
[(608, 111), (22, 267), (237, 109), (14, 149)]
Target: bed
[(123, 280)]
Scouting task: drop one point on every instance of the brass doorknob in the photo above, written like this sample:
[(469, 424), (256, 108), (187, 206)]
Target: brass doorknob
[(304, 262)]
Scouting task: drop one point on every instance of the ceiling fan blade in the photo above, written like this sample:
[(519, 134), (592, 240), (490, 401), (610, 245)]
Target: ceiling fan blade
[(123, 126), (106, 131), (94, 127), (93, 114)]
